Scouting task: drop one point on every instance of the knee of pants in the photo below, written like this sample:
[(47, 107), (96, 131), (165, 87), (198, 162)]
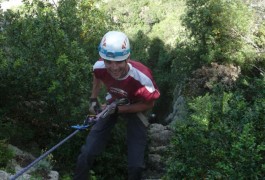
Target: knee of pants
[(88, 150), (136, 141), (134, 173), (85, 158), (95, 143)]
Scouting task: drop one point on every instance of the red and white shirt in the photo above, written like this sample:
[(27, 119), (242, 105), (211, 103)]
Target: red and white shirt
[(137, 85)]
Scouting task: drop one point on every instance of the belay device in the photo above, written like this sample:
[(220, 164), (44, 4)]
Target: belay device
[(88, 122)]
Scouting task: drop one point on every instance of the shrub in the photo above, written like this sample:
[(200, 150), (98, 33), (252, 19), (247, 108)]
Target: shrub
[(213, 23), (5, 154), (221, 138)]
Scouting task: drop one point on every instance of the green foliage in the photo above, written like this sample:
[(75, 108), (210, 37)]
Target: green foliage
[(44, 167), (154, 19), (70, 24), (221, 138), (5, 154), (46, 58), (185, 58), (213, 23), (257, 67), (260, 36), (46, 65)]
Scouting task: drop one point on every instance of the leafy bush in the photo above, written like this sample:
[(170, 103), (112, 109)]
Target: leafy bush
[(213, 23), (5, 154), (222, 138), (46, 69)]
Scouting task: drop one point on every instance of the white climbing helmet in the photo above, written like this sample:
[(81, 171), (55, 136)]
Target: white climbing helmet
[(114, 46)]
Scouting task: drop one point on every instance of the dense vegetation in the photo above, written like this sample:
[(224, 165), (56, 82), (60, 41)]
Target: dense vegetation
[(212, 51)]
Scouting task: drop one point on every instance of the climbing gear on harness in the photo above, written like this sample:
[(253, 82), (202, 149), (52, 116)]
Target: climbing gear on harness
[(89, 121)]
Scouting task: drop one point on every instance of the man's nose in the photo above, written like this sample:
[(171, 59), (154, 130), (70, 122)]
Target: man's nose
[(114, 65)]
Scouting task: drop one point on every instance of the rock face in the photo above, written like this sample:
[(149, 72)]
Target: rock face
[(22, 160), (159, 137), (4, 175), (179, 111)]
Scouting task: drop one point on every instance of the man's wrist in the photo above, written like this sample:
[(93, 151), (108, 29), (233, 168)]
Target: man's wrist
[(116, 110), (91, 99)]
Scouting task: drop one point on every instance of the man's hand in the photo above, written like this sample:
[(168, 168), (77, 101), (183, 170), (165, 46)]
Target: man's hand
[(110, 109), (113, 108), (94, 106)]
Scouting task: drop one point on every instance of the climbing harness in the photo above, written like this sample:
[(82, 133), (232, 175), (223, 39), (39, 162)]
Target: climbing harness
[(88, 122)]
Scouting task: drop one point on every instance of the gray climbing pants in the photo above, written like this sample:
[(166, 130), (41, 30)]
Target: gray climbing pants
[(97, 140)]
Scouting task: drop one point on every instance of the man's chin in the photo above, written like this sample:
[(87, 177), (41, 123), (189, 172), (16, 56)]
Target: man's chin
[(116, 76)]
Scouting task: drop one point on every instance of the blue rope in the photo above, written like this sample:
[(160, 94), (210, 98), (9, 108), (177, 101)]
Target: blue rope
[(77, 127)]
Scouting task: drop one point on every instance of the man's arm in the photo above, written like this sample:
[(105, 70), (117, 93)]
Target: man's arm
[(96, 87), (136, 107)]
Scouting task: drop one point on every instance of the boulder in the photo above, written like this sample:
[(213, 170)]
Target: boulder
[(23, 159)]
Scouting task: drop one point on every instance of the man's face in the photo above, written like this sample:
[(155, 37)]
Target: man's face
[(117, 69)]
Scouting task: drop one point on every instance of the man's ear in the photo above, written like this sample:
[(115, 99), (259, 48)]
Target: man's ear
[(127, 60)]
